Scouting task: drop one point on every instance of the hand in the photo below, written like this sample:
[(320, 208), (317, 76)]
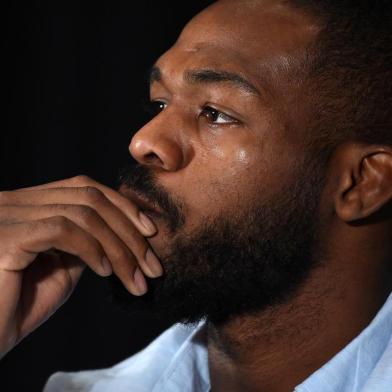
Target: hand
[(48, 234)]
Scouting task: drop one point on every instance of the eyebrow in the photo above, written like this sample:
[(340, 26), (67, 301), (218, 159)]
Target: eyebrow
[(210, 76)]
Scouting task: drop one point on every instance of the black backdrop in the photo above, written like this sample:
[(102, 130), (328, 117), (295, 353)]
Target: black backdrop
[(74, 75)]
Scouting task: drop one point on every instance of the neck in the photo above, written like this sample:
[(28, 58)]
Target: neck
[(278, 348)]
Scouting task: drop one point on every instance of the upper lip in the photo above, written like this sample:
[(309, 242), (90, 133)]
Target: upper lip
[(141, 201)]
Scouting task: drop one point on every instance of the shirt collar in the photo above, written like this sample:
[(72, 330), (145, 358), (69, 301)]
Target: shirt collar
[(362, 363), (188, 371), (353, 368)]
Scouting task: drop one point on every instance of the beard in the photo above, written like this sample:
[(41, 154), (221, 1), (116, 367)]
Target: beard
[(236, 264)]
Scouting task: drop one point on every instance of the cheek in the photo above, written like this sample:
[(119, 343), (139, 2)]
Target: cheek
[(220, 179)]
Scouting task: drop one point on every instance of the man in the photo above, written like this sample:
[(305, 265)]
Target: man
[(258, 213)]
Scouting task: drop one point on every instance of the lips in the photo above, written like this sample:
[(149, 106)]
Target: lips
[(140, 201)]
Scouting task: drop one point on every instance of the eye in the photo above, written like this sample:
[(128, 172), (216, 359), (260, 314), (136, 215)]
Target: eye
[(216, 116), (153, 108)]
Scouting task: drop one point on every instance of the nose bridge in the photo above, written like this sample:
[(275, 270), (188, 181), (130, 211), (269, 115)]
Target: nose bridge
[(166, 140), (162, 142)]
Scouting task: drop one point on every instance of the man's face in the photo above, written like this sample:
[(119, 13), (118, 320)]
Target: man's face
[(226, 161)]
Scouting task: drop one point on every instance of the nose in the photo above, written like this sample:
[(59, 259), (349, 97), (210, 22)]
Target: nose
[(155, 146)]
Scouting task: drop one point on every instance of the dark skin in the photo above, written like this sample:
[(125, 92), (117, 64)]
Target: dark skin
[(336, 303), (217, 145), (276, 349)]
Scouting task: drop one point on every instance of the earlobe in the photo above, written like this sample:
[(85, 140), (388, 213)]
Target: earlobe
[(365, 183)]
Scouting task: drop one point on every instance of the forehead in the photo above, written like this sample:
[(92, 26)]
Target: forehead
[(251, 37)]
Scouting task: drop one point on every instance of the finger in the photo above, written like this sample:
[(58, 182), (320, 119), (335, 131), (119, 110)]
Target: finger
[(60, 233), (21, 242), (125, 247), (52, 278), (95, 200), (140, 220)]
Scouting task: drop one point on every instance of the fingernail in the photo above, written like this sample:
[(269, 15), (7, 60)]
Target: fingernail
[(106, 266), (147, 223), (140, 282), (153, 263)]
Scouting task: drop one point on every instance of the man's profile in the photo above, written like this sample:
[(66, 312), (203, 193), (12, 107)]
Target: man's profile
[(256, 214)]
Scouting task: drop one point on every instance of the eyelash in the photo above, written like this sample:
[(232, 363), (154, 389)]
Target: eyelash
[(156, 107)]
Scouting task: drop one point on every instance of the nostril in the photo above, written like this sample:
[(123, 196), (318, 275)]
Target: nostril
[(153, 159)]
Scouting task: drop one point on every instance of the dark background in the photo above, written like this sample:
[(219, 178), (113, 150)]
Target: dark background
[(74, 77)]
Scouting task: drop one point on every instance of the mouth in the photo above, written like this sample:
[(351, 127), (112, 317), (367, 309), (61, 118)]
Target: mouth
[(145, 205)]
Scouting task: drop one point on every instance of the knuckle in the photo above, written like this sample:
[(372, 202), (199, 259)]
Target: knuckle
[(58, 225), (86, 214), (81, 180), (93, 195)]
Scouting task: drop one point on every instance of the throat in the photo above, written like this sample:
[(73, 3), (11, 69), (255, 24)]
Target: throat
[(261, 352), (276, 349)]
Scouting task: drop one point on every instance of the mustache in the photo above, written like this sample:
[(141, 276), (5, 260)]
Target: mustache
[(142, 180)]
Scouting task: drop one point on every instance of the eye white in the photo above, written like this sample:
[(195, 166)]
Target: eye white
[(223, 119)]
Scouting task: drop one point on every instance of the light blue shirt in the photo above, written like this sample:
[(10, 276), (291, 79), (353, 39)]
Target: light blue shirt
[(177, 361)]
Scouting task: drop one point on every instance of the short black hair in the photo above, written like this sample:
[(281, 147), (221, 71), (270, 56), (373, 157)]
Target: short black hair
[(350, 64)]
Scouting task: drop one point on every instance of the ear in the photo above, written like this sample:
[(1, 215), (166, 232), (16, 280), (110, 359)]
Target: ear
[(365, 180)]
